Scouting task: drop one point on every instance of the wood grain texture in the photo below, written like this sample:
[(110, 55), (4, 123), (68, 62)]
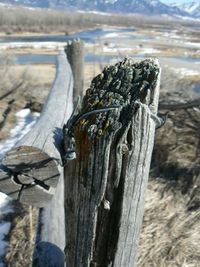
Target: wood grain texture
[(38, 154), (75, 54), (7, 184), (50, 242), (105, 185)]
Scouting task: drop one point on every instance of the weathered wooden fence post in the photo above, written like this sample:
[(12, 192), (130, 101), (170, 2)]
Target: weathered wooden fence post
[(105, 184), (75, 54), (32, 170)]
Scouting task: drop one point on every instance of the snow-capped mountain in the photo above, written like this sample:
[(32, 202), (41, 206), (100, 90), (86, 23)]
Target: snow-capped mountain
[(192, 8), (32, 3), (149, 7)]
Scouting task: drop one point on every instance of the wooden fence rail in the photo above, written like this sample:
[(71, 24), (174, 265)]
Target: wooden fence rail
[(34, 163), (112, 132)]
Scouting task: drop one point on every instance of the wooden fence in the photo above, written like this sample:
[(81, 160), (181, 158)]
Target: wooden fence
[(89, 182)]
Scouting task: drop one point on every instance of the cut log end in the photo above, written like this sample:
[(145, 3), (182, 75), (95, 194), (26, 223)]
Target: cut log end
[(31, 177)]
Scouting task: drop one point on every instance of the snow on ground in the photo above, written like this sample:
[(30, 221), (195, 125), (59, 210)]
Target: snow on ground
[(49, 45), (113, 48), (185, 72), (148, 50), (25, 121), (192, 44), (108, 49), (4, 230), (95, 12), (112, 35)]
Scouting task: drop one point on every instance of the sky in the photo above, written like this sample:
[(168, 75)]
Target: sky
[(177, 1)]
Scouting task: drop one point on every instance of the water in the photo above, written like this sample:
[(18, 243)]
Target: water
[(87, 36), (189, 59), (26, 59), (90, 36)]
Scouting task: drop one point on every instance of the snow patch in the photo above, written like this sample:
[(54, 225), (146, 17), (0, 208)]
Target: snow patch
[(191, 44), (3, 200), (111, 49), (25, 121), (49, 45), (4, 230), (111, 35), (95, 12), (149, 50), (185, 72)]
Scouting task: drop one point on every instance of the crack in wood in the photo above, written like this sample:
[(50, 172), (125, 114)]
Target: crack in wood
[(30, 180), (109, 147)]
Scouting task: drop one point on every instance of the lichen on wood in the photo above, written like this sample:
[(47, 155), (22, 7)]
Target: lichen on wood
[(104, 186)]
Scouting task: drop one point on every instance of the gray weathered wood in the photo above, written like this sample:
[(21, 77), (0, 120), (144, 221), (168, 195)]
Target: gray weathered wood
[(37, 156), (75, 54), (7, 184), (105, 185), (50, 241)]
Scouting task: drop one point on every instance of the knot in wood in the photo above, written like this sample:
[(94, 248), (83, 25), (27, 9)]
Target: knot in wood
[(124, 148)]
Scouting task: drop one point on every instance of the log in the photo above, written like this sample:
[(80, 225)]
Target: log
[(75, 54), (34, 164), (50, 242), (104, 186)]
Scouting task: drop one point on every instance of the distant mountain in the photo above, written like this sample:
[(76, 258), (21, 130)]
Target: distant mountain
[(192, 8), (33, 3), (148, 7)]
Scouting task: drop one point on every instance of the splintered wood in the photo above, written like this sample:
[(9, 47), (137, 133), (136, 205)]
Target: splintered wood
[(104, 186)]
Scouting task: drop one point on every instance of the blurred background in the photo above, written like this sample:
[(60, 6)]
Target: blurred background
[(31, 35)]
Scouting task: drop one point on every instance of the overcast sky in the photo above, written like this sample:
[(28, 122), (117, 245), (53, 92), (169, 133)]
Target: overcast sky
[(178, 1)]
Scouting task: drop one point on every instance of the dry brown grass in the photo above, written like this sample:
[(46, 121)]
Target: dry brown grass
[(22, 239), (170, 235), (21, 86)]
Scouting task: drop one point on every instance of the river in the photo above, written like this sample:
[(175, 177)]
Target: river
[(125, 38)]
